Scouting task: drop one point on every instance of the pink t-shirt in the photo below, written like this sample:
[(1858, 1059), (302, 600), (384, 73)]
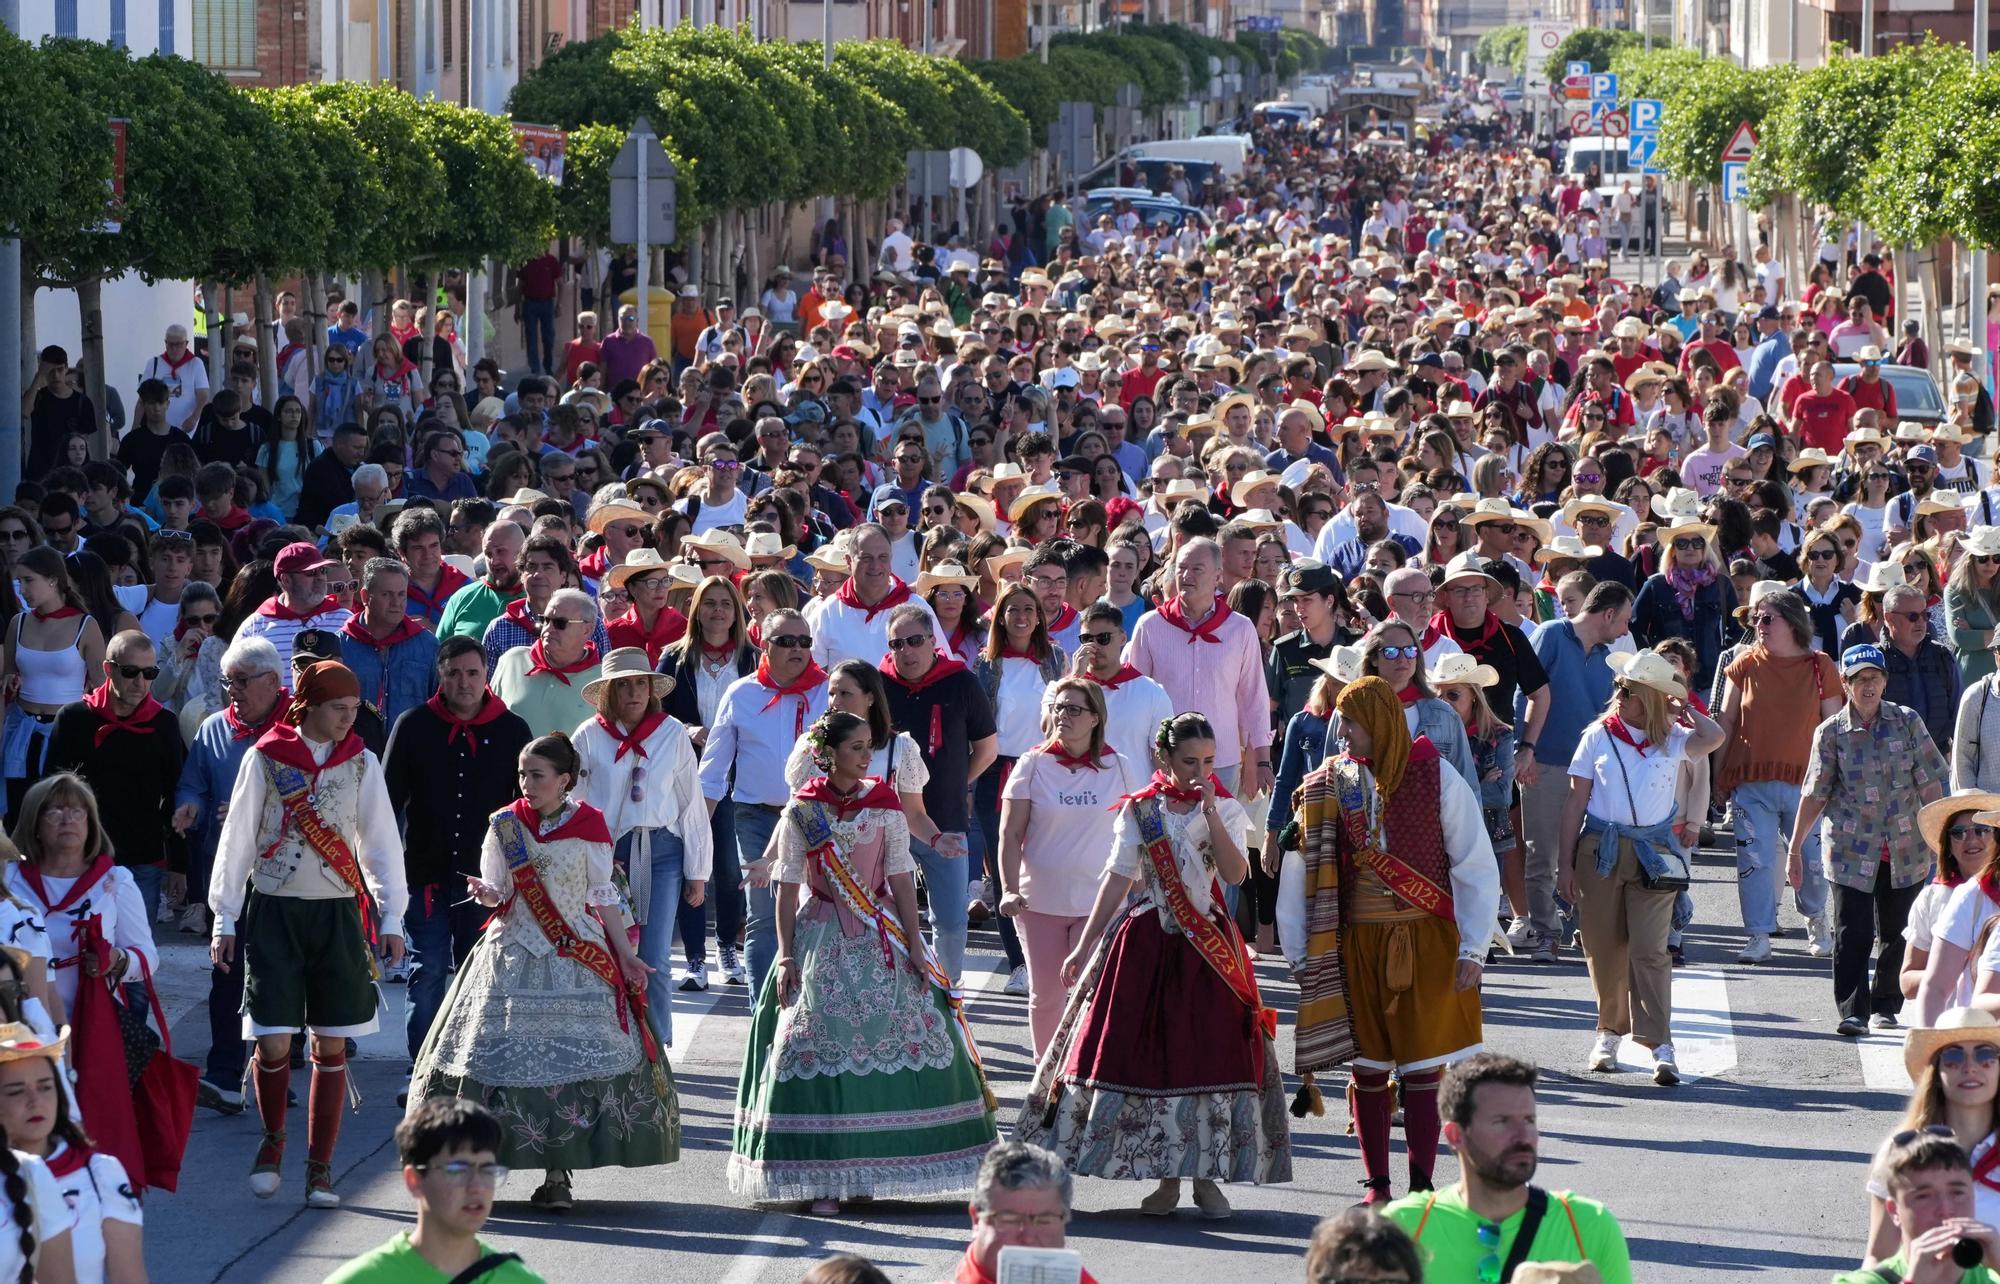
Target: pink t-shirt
[(1070, 828)]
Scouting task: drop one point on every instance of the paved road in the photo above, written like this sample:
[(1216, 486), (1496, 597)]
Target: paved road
[(1752, 1168)]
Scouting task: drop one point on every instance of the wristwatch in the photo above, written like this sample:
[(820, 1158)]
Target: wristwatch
[(1523, 744)]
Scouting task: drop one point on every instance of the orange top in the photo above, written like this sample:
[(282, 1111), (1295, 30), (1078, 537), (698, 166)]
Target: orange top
[(1776, 715), (687, 327)]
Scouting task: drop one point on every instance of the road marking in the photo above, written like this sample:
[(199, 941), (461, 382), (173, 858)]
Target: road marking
[(1882, 1062), (1704, 1030)]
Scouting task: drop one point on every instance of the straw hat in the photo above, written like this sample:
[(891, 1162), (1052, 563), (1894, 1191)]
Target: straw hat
[(1648, 669), (1931, 819), (1570, 546), (1233, 400), (1460, 667), (1952, 433), (980, 507), (1495, 509), (1343, 663), (1006, 559), (1372, 359), (1309, 410), (722, 543), (765, 544), (1758, 592), (1869, 436), (829, 559), (1181, 488), (1262, 519), (1812, 457), (625, 662), (1954, 1025), (637, 562), (1027, 500), (1241, 488), (1882, 576), (1630, 328), (527, 497), (945, 575), (1938, 503), (1981, 541), (1466, 566), (1651, 372), (19, 1042)]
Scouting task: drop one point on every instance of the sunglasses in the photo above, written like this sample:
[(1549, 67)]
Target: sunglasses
[(1827, 555), (725, 465), (1912, 616), (1970, 831), (1098, 639), (172, 536), (909, 643), (799, 640), (202, 621), (1410, 652), (1955, 1056), (149, 672), (558, 623), (1689, 543)]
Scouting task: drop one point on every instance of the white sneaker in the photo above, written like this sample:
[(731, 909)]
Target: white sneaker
[(1666, 1071), (1757, 951), (1520, 932), (1820, 938), (1604, 1053), (194, 920), (694, 976), (733, 971), (1017, 982), (167, 912)]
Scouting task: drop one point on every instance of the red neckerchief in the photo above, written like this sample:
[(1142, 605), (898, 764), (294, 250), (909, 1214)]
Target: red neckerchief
[(1619, 731), (1410, 694), (1174, 612), (1009, 652), (405, 629), (800, 686), (274, 608), (174, 365), (1064, 618), (232, 521), (139, 722), (717, 654), (586, 822), (1987, 884), (283, 743), (967, 632), (1125, 674), (538, 662), (597, 561), (517, 611), (431, 605), (1055, 750), (490, 707), (938, 672), (669, 626), (507, 596), (77, 890), (60, 613), (1442, 627), (71, 1161), (635, 741), (241, 730), (1161, 786), (877, 795), (848, 595)]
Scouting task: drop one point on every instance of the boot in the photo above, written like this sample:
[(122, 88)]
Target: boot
[(1164, 1199)]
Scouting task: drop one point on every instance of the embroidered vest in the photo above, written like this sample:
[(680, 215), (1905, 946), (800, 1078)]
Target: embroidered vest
[(294, 868), (1412, 827)]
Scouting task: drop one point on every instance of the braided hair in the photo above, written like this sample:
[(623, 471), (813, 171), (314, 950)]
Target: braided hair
[(16, 1187), (1178, 730)]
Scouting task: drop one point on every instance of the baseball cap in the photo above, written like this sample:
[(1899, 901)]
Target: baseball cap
[(319, 644), (299, 559), (1865, 656), (1760, 439), (1769, 313), (1307, 576)]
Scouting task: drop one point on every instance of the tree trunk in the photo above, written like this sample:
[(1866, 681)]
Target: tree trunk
[(374, 295), (428, 310), (267, 347), (315, 310), (90, 309), (751, 278), (30, 352), (1933, 305), (215, 299)]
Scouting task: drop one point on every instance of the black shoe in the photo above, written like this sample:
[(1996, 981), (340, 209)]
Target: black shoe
[(1678, 955), (1851, 1027)]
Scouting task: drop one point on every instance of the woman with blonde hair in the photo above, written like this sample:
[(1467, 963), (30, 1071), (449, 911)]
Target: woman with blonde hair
[(1617, 862), (1972, 603), (1461, 681), (1831, 601)]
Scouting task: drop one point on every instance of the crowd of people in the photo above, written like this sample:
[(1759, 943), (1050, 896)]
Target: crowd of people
[(1324, 590)]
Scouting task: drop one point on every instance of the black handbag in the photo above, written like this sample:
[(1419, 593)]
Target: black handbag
[(1678, 876)]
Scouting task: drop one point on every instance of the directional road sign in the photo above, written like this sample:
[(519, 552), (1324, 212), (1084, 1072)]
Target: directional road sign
[(1641, 148)]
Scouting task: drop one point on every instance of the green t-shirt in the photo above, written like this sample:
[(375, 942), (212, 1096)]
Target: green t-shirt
[(396, 1262), (1977, 1275), (1450, 1238)]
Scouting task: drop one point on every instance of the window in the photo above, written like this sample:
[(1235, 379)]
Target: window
[(66, 17), (225, 34), (166, 41), (118, 40)]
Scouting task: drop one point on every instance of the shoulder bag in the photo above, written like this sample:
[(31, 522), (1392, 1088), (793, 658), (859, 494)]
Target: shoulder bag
[(1677, 876)]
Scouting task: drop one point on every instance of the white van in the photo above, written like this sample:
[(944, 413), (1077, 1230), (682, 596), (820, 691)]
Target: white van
[(1613, 159), (1227, 150)]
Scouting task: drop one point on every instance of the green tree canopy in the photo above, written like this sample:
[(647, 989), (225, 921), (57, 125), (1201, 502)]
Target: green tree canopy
[(1594, 45), (1702, 112), (1503, 47)]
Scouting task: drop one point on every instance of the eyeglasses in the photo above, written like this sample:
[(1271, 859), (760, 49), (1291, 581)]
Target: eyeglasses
[(459, 1173), (65, 809), (1410, 652), (1420, 596), (1067, 710), (1955, 1056), (795, 640), (1019, 1221), (1098, 639), (901, 644), (149, 672), (1970, 831)]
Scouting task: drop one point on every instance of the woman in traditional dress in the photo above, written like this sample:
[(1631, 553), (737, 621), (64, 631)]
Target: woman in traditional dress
[(860, 1078), (1163, 1067), (546, 1025)]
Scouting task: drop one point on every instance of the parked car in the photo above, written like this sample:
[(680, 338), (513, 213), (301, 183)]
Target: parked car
[(1153, 211), (1918, 397)]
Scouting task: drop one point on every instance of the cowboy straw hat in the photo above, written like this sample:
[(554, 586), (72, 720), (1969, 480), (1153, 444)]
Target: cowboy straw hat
[(1495, 509), (528, 497), (1309, 410), (1954, 1025), (1027, 500), (1259, 519), (1651, 372), (945, 575), (1569, 546), (1459, 667), (721, 542), (1003, 559), (1811, 457), (1589, 504), (19, 1042), (980, 507), (1630, 328), (1183, 488), (1342, 664), (1371, 359), (1254, 480), (1938, 503), (1648, 669), (637, 562), (1951, 433), (1676, 505), (828, 558), (1758, 592), (616, 510), (1869, 436), (1932, 817), (1981, 541), (1233, 400), (765, 544), (625, 662), (1882, 576), (1467, 565)]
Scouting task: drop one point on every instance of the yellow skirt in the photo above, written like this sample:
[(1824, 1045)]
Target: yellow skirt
[(1402, 990)]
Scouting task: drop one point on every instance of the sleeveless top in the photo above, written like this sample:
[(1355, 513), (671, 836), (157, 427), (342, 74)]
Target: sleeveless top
[(51, 678)]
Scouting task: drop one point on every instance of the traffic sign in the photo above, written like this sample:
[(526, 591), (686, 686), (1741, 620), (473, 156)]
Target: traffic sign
[(1735, 182), (1576, 88), (1641, 148), (1604, 86), (656, 227), (1582, 121), (1645, 114), (1612, 124), (1577, 68), (1741, 143)]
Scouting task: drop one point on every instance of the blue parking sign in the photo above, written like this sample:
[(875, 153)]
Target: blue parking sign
[(1735, 182), (1604, 85), (1645, 115), (1576, 68)]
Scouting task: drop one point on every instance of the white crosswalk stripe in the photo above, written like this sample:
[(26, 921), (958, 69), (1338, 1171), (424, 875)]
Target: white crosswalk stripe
[(1703, 1028)]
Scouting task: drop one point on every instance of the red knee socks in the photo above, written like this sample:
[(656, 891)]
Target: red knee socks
[(1420, 1124), (1372, 1106), (323, 1107), (273, 1092)]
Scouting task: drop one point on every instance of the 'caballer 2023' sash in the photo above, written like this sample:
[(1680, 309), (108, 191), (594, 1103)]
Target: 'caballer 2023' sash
[(1414, 889)]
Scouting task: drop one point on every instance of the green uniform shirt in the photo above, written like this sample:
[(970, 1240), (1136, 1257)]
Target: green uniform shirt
[(1450, 1239), (396, 1262), (1977, 1275), (471, 609)]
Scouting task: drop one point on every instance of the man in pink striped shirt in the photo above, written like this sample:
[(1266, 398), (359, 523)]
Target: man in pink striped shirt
[(1208, 659)]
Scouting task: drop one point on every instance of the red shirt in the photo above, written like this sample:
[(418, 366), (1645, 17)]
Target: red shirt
[(1629, 366), (1722, 350), (1879, 396), (1823, 420), (1139, 383), (575, 353), (539, 277)]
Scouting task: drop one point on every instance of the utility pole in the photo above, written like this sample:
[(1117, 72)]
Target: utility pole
[(10, 328), (1975, 297)]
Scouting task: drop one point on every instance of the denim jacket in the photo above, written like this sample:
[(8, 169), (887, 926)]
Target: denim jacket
[(1446, 730), (1493, 759)]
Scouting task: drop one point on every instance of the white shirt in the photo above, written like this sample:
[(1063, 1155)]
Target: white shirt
[(1965, 911), (669, 793), (843, 632), (282, 631), (897, 248), (755, 736), (728, 513), (183, 386), (1654, 775), (98, 1192), (1072, 825), (1475, 875), (1017, 707), (1188, 835), (52, 1215), (123, 922), (898, 764), (1132, 716)]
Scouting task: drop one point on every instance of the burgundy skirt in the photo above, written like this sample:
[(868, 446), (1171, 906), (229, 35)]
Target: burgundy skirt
[(1161, 1022)]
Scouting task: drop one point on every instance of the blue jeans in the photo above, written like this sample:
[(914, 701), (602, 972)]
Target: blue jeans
[(1764, 812), (754, 827), (149, 877), (725, 892), (538, 318), (228, 1050), (986, 805), (438, 936), (945, 881), (656, 935)]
